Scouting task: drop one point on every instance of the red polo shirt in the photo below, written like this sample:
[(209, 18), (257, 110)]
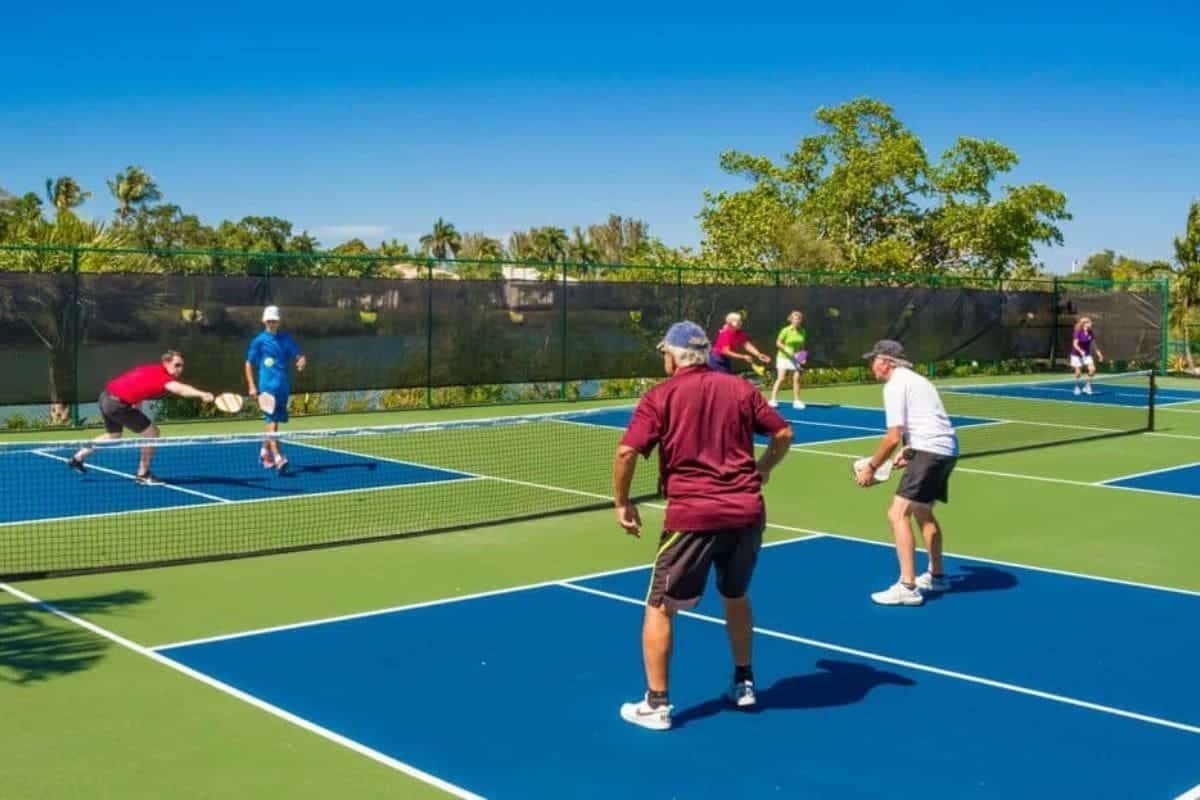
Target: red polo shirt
[(140, 383), (703, 423)]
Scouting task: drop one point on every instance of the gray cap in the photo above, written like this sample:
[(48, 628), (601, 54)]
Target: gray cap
[(889, 349), (686, 335)]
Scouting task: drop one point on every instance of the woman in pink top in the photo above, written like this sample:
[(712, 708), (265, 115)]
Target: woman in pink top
[(729, 339)]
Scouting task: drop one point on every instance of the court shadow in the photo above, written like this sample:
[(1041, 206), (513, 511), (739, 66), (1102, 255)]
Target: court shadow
[(36, 646), (294, 470), (977, 579), (839, 683)]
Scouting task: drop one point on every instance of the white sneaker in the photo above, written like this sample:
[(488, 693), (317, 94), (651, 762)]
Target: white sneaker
[(898, 595), (1087, 389), (640, 713), (773, 403), (926, 582), (1077, 391), (797, 405), (741, 694)]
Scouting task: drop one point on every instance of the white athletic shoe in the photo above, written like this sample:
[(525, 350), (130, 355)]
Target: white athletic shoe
[(1078, 391), (898, 595), (741, 694), (797, 405), (640, 713), (1087, 389), (926, 582), (773, 403)]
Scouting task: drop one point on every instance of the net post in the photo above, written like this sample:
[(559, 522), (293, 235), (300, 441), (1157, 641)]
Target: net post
[(1153, 393), (74, 332), (429, 333), (562, 388)]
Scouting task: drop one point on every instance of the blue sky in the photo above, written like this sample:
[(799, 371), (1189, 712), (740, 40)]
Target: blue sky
[(374, 119)]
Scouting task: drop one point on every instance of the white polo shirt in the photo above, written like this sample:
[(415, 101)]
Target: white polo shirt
[(912, 403)]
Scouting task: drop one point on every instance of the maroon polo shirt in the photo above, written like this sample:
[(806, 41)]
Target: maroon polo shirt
[(703, 423)]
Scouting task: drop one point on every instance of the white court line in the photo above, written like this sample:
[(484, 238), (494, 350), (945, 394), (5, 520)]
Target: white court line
[(248, 501), (1191, 794), (128, 476), (1020, 476), (913, 665), (245, 697), (375, 612), (809, 534), (1151, 472)]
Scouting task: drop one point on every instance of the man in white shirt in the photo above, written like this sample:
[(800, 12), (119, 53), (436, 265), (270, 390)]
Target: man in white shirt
[(917, 420)]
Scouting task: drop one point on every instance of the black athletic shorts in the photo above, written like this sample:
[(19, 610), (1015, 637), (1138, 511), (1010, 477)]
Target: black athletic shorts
[(683, 560), (926, 479), (118, 415)]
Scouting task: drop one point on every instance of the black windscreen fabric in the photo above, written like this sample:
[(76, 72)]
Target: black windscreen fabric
[(60, 330), (490, 332), (37, 337), (357, 333), (1128, 325)]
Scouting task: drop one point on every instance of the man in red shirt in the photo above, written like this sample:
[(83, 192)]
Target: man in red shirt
[(729, 339), (119, 407), (703, 423)]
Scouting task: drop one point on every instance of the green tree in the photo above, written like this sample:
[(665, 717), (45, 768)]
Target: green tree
[(550, 243), (620, 240), (865, 184), (394, 249), (1185, 281), (443, 240), (16, 212), (303, 242), (65, 194), (521, 245), (133, 188), (166, 227), (581, 249), (48, 306), (480, 246), (1099, 266)]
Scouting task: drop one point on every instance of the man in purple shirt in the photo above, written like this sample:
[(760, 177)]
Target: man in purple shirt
[(703, 423), (1083, 342)]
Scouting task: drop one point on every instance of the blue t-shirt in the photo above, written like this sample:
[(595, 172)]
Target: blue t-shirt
[(272, 355)]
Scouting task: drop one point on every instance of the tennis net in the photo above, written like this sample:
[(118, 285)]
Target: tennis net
[(216, 500), (1005, 416)]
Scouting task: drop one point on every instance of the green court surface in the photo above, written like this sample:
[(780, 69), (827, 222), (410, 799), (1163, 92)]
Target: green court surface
[(90, 717)]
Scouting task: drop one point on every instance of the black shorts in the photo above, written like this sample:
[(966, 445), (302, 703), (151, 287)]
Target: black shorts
[(118, 415), (683, 560), (926, 479)]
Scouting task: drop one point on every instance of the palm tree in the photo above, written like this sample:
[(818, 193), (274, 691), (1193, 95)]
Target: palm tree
[(491, 249), (582, 249), (65, 194), (550, 243), (443, 239), (521, 246), (133, 188), (1185, 288)]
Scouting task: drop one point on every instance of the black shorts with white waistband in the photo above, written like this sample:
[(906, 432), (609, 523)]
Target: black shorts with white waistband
[(926, 478)]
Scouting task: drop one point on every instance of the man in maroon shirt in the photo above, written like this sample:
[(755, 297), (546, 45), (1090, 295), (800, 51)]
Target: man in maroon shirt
[(703, 423), (119, 407)]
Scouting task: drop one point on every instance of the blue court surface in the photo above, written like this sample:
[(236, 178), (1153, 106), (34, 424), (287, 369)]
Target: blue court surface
[(196, 474), (1174, 480), (201, 473), (1016, 683), (1111, 394)]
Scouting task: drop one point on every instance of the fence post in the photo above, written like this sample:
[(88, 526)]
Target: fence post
[(429, 334), (678, 294), (1165, 289), (73, 330), (562, 388), (1054, 321)]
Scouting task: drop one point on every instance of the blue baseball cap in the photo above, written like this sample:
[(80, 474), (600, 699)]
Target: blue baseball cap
[(687, 335)]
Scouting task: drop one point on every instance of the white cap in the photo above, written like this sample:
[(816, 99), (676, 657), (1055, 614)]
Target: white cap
[(271, 314)]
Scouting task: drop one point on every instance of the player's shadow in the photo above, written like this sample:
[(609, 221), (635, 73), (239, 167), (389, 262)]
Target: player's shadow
[(976, 578), (36, 645), (839, 683)]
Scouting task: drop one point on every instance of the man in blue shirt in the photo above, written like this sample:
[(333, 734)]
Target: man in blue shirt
[(270, 354)]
